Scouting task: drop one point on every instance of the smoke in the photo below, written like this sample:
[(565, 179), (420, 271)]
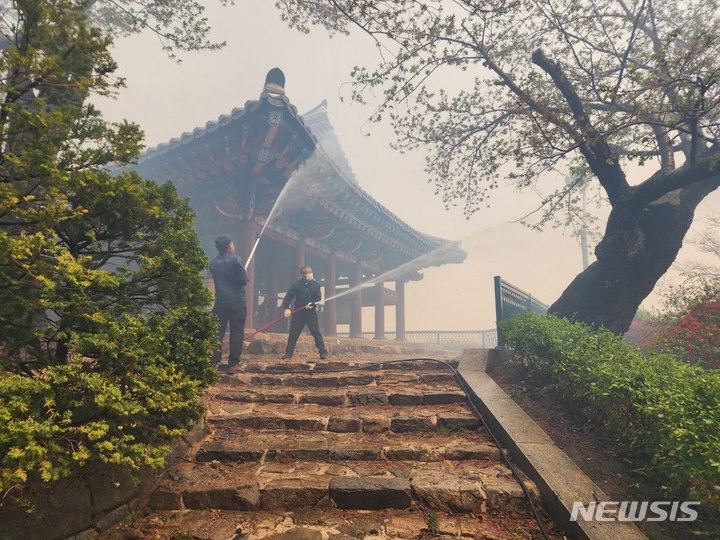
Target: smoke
[(443, 254), (320, 178), (317, 178), (448, 252)]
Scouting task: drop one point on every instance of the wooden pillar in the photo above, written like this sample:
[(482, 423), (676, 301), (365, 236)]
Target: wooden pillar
[(299, 257), (273, 288), (400, 310), (356, 302), (379, 310), (247, 241), (330, 311)]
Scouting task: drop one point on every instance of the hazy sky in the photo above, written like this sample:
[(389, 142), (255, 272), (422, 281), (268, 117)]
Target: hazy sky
[(167, 99)]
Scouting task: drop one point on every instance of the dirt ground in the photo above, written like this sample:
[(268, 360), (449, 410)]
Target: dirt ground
[(599, 458)]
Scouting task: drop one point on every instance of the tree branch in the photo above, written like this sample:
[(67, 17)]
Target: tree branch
[(664, 182), (602, 160)]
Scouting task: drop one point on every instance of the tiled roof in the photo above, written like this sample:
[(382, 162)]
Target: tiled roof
[(212, 125), (318, 122), (318, 127)]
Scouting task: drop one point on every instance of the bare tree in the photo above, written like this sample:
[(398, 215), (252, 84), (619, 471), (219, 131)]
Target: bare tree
[(590, 84), (180, 25), (697, 274), (708, 241)]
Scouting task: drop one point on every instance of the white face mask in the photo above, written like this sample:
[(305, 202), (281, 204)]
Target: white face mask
[(308, 277)]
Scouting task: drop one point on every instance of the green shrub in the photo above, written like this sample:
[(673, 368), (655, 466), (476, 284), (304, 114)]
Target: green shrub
[(119, 399), (105, 339), (662, 409)]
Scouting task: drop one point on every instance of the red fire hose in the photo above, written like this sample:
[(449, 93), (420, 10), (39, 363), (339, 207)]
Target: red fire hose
[(247, 338)]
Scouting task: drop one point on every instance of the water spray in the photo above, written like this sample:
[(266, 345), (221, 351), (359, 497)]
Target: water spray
[(403, 268), (423, 261), (415, 264), (310, 171), (271, 216), (284, 192), (419, 262)]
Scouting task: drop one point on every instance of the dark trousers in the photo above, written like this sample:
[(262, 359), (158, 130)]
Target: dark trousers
[(233, 313), (298, 321)]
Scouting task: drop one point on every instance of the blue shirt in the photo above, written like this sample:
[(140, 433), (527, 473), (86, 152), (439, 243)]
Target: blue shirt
[(230, 278)]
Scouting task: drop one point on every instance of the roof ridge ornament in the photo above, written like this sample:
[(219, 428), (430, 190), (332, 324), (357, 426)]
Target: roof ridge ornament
[(275, 82)]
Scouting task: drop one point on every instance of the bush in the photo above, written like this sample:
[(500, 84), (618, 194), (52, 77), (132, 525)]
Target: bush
[(119, 399), (105, 338), (662, 409), (692, 332), (107, 343)]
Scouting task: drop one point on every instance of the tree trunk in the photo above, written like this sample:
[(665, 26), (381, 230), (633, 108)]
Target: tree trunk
[(639, 246)]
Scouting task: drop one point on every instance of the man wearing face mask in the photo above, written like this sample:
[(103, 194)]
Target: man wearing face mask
[(304, 292)]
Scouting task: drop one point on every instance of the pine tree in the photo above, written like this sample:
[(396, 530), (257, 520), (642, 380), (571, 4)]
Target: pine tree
[(105, 337)]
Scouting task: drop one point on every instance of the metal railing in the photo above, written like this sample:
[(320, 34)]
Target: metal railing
[(509, 300), (450, 339)]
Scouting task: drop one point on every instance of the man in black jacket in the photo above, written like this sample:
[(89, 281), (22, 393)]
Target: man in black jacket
[(305, 292), (230, 278)]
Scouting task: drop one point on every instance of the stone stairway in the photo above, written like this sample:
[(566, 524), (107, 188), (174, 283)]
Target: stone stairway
[(370, 453)]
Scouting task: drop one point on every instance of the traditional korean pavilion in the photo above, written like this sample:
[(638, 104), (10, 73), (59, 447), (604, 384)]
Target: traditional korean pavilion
[(233, 171)]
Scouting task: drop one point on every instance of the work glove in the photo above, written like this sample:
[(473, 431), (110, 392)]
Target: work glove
[(310, 305), (287, 313)]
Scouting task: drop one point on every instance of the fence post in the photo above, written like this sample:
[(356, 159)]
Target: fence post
[(499, 312)]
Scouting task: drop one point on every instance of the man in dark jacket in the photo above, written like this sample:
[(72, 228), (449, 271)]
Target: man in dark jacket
[(230, 278), (305, 292)]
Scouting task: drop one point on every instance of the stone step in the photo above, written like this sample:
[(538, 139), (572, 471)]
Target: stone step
[(337, 380), (370, 453), (469, 486), (400, 395), (319, 524), (273, 365), (233, 416), (273, 345), (273, 446)]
